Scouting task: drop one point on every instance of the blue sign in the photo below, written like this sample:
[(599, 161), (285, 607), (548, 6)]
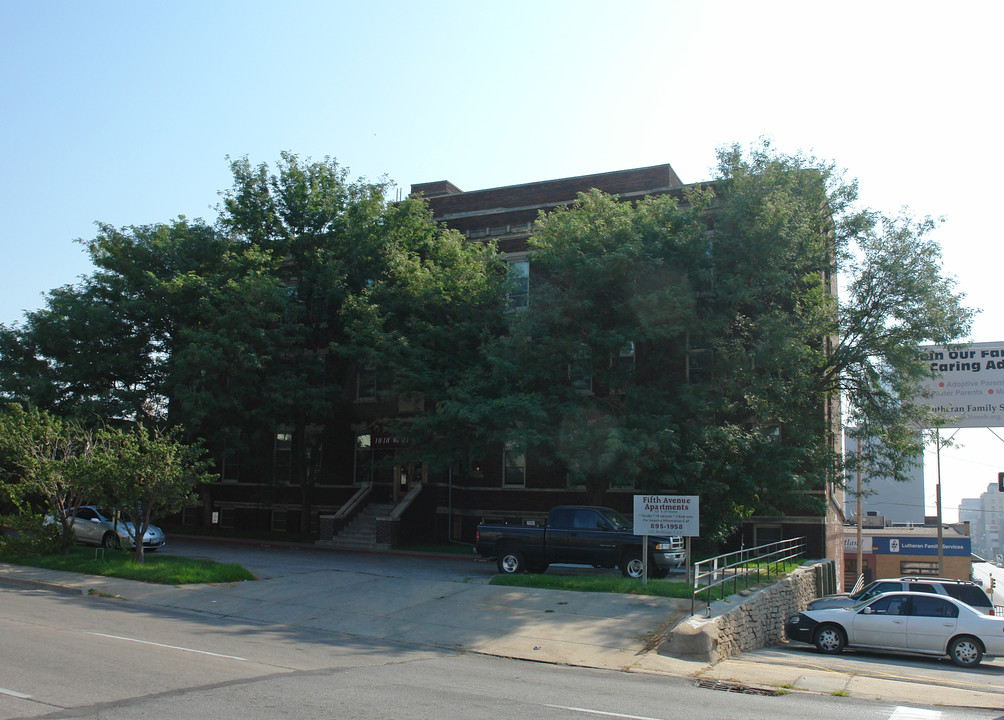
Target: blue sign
[(921, 546)]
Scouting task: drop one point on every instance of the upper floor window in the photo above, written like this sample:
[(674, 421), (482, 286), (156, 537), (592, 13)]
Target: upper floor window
[(622, 366), (283, 457), (513, 465), (520, 297), (363, 472), (700, 363), (580, 370)]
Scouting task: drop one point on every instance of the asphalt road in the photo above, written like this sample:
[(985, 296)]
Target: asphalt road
[(316, 614), (66, 656)]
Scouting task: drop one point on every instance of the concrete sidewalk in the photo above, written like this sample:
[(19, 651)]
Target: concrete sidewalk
[(616, 632)]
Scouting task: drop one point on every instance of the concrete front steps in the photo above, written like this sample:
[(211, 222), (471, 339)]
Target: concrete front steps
[(361, 533)]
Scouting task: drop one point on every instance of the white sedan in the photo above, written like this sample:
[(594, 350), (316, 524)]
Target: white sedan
[(903, 622)]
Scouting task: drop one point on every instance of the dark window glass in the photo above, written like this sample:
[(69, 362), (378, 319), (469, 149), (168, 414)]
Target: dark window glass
[(561, 519), (586, 520), (892, 605), (969, 595), (933, 606)]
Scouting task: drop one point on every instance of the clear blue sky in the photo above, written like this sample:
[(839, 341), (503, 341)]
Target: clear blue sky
[(125, 112)]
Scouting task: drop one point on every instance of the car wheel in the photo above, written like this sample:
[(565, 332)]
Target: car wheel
[(965, 651), (109, 541), (632, 565), (511, 562), (829, 639)]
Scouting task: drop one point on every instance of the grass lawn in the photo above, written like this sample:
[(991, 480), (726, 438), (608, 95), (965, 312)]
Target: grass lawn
[(162, 569), (628, 586), (582, 583)]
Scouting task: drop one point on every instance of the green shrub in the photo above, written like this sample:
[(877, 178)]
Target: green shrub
[(26, 534)]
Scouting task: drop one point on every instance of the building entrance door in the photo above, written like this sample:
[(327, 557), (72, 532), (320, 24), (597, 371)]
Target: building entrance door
[(406, 476)]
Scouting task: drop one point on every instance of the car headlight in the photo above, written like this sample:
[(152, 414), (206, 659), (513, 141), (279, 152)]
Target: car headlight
[(794, 619), (663, 546)]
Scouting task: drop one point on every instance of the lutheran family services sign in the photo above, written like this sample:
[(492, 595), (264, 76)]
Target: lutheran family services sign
[(966, 385)]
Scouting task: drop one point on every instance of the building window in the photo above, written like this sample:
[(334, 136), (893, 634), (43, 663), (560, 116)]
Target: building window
[(227, 514), (622, 367), (625, 360), (283, 457), (918, 568), (230, 466), (191, 516), (514, 465), (699, 363), (230, 458), (291, 306), (364, 460), (706, 273), (520, 297), (580, 370), (366, 384)]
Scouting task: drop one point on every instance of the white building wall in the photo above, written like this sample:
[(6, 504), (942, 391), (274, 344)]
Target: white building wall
[(898, 502)]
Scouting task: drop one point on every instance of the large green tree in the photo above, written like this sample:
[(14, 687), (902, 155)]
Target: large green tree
[(337, 245), (103, 349), (694, 344), (422, 323)]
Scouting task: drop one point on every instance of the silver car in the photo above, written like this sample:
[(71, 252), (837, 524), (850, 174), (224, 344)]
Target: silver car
[(909, 622), (97, 526), (968, 592)]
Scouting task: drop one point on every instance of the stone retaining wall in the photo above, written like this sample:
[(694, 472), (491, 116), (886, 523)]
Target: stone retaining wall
[(745, 623)]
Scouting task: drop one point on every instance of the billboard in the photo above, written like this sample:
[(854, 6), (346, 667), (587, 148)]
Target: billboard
[(966, 385)]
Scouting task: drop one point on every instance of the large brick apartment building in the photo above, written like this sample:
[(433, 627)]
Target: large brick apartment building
[(407, 501)]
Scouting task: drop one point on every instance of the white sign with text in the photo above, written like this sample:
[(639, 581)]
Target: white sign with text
[(667, 515)]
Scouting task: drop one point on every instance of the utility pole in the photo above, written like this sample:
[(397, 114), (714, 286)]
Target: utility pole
[(861, 553), (941, 547)]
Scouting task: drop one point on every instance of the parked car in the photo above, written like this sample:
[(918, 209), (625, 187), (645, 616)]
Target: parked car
[(911, 622), (964, 590), (97, 526)]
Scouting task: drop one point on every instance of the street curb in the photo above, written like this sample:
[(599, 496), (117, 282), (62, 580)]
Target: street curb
[(40, 585)]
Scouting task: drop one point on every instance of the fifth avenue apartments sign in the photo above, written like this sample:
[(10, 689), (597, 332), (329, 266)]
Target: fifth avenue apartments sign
[(966, 386)]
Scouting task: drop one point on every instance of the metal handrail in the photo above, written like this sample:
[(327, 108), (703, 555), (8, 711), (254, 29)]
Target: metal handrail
[(742, 565)]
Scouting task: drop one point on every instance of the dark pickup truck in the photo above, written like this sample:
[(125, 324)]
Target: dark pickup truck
[(579, 535)]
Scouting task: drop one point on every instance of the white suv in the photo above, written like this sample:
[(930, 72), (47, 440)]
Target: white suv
[(963, 590)]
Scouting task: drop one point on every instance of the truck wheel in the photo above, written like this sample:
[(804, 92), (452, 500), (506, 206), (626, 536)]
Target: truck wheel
[(511, 562), (632, 565)]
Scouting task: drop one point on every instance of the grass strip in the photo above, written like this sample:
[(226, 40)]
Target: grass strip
[(160, 569), (626, 586)]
